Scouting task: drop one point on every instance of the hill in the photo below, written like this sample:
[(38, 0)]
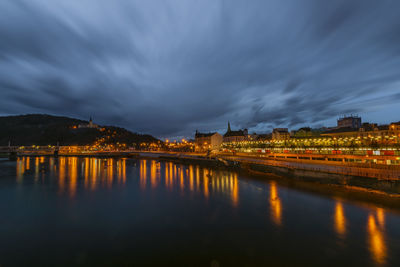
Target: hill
[(40, 129)]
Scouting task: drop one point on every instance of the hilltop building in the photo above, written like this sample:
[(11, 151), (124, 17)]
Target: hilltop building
[(235, 136), (207, 141), (88, 125)]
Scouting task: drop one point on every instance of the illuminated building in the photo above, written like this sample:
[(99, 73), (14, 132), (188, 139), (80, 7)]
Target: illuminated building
[(369, 133), (207, 141), (353, 122), (305, 132), (235, 136), (88, 125), (280, 134)]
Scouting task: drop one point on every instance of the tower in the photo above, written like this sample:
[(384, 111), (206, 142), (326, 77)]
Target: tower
[(229, 127), (90, 122)]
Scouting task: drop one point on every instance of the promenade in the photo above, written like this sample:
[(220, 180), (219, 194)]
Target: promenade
[(380, 165)]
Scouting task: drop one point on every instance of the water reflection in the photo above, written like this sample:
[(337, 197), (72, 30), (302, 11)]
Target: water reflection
[(233, 182), (94, 167), (121, 167), (21, 166), (188, 179), (27, 163), (181, 179), (153, 174), (110, 172), (36, 169), (52, 166), (68, 170), (61, 174), (376, 236), (191, 178), (143, 173), (275, 204), (85, 167), (340, 219), (73, 176)]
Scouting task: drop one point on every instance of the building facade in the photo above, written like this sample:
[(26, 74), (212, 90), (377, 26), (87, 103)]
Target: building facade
[(305, 132), (88, 125), (353, 122), (235, 136), (280, 134), (207, 141), (369, 133)]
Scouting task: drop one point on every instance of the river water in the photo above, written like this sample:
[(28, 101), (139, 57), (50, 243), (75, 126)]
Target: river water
[(92, 211)]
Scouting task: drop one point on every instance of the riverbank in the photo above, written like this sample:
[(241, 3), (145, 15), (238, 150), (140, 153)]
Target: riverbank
[(364, 196), (365, 190)]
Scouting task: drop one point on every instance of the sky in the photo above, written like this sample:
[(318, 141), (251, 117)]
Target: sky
[(169, 67)]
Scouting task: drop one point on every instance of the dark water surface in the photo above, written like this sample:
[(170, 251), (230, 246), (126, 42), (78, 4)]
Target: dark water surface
[(70, 211)]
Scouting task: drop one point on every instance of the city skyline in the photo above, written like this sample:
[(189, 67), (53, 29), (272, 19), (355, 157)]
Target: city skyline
[(227, 128), (170, 68)]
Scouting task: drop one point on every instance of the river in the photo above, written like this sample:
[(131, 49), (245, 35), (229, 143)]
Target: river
[(93, 211)]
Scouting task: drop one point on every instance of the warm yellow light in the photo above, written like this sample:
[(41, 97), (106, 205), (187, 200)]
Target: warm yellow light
[(340, 219), (376, 240), (275, 204)]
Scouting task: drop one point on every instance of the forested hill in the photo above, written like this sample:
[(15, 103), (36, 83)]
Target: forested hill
[(39, 129)]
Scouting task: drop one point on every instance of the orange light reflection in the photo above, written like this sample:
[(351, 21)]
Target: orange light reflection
[(376, 238), (143, 173), (340, 219), (275, 204)]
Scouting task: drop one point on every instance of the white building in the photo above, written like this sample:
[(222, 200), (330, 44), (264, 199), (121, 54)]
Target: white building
[(207, 141)]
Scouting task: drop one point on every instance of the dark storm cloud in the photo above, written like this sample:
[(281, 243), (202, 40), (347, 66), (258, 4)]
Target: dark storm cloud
[(170, 67)]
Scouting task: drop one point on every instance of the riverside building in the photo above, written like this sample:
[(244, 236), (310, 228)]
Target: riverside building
[(369, 133), (280, 134), (235, 136), (207, 141), (353, 122)]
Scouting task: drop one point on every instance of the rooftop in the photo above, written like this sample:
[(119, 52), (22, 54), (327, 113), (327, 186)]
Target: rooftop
[(235, 133), (199, 135), (341, 130)]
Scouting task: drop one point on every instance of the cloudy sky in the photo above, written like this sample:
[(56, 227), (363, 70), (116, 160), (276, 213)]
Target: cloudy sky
[(170, 67)]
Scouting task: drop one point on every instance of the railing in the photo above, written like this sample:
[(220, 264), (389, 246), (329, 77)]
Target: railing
[(381, 172), (325, 151)]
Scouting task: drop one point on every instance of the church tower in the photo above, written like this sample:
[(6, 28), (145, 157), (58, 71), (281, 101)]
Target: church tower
[(229, 127), (90, 122)]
